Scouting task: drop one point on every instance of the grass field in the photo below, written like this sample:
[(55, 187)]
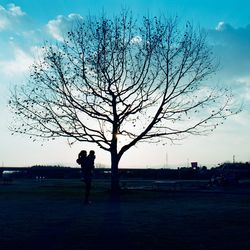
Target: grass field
[(51, 215)]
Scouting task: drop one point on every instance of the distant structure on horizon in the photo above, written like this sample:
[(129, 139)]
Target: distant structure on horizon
[(194, 165)]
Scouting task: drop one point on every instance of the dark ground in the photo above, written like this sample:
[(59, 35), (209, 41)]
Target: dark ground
[(51, 215)]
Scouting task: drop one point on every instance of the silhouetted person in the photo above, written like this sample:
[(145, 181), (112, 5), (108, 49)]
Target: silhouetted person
[(87, 165), (88, 173), (81, 160)]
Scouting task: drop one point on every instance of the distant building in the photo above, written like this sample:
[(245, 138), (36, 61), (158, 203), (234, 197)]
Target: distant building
[(194, 165)]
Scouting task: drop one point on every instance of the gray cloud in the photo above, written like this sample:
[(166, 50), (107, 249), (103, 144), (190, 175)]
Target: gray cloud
[(232, 45)]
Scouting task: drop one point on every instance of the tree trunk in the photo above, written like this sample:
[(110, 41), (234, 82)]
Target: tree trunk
[(115, 184)]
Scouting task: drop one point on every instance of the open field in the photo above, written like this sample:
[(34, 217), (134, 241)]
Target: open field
[(51, 215)]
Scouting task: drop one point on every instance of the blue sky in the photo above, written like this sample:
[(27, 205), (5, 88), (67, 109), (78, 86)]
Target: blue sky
[(25, 24)]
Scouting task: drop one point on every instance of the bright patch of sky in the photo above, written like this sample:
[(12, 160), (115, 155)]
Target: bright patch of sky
[(26, 24)]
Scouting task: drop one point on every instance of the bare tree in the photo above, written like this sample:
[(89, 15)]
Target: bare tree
[(147, 81)]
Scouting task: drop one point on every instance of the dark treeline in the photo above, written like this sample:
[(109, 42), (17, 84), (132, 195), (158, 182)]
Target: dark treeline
[(242, 170)]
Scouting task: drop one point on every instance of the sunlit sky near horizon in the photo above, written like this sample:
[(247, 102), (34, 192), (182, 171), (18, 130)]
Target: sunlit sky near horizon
[(25, 24)]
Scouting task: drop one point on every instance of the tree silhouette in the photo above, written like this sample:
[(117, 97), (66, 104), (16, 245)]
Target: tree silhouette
[(111, 77)]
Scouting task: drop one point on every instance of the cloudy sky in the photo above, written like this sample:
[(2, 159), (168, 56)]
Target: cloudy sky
[(26, 24)]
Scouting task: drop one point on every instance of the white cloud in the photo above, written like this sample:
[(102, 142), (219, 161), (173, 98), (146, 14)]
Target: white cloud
[(221, 26), (37, 52), (15, 10), (245, 85), (10, 16), (136, 40), (244, 80), (57, 27), (18, 65)]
